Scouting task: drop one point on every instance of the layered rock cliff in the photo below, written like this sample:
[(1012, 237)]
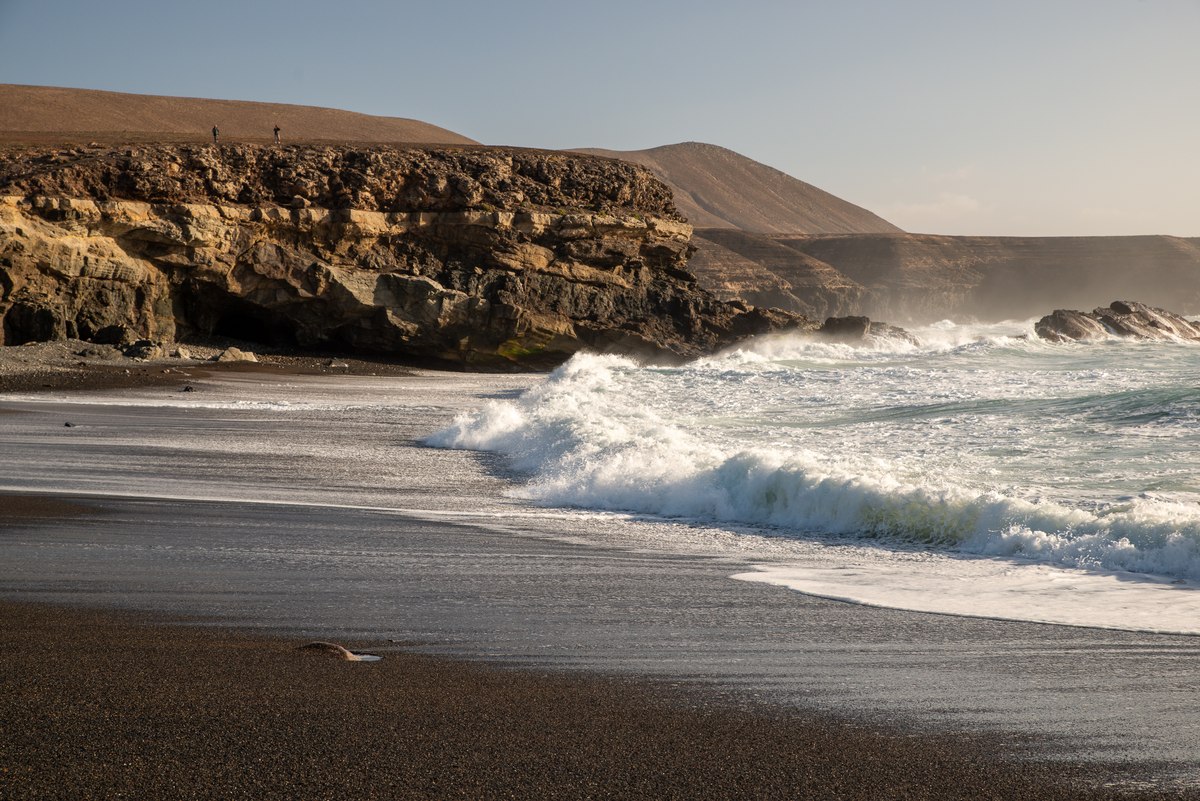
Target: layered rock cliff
[(758, 269), (921, 277), (470, 256)]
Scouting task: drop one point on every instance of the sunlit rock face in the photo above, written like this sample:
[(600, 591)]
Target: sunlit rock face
[(471, 256), (1121, 319)]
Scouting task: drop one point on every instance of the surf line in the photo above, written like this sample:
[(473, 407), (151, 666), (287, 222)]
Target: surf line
[(761, 574), (430, 514)]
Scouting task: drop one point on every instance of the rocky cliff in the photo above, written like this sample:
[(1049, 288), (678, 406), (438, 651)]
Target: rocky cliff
[(472, 256), (921, 277), (763, 271)]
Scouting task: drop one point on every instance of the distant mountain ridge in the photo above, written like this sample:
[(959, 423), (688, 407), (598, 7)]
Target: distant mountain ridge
[(42, 111), (717, 188)]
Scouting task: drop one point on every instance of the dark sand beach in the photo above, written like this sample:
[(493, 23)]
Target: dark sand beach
[(74, 365), (590, 671), (101, 704)]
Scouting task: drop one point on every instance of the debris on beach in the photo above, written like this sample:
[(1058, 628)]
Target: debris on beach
[(340, 651), (235, 355)]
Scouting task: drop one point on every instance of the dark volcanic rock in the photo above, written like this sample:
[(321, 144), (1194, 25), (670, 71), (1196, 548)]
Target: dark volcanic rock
[(1121, 318), (1064, 325), (475, 256), (888, 331), (849, 328), (860, 329), (364, 178), (1131, 319)]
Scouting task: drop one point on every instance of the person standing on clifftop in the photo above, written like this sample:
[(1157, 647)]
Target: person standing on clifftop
[(216, 133), (276, 134)]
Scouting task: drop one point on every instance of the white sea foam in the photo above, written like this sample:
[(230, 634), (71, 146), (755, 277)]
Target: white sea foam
[(979, 441), (997, 588)]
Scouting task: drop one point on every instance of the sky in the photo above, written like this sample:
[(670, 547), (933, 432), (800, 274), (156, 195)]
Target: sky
[(1009, 118)]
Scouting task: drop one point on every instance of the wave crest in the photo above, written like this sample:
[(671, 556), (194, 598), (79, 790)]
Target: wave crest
[(588, 437)]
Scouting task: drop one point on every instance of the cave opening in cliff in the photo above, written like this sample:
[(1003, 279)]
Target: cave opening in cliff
[(255, 325), (220, 315)]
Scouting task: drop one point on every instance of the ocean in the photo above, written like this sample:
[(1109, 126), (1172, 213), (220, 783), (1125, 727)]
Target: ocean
[(982, 472)]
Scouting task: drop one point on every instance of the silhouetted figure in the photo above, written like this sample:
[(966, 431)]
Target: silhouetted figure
[(216, 133), (276, 134)]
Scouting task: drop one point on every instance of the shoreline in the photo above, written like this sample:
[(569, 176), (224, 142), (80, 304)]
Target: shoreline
[(77, 365), (100, 702), (668, 626), (209, 705)]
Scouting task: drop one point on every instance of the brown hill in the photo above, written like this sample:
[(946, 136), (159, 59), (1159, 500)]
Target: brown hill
[(921, 277), (718, 188), (43, 113)]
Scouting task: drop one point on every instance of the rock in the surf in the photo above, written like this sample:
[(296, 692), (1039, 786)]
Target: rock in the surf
[(857, 329), (1120, 319)]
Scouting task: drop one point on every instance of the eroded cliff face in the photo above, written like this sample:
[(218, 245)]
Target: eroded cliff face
[(471, 256), (923, 278), (755, 268)]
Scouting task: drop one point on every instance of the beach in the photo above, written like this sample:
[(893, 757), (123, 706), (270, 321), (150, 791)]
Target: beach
[(824, 426), (100, 704), (559, 653), (70, 365)]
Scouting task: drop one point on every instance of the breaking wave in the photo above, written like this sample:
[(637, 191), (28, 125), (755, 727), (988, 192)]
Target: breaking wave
[(992, 445)]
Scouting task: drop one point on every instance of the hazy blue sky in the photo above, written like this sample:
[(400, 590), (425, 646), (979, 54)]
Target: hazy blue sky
[(1013, 117)]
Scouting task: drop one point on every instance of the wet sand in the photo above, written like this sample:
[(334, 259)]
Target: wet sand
[(40, 507), (74, 365), (681, 683), (108, 704)]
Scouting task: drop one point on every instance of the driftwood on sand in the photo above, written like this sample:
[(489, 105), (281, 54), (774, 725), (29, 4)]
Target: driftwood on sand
[(340, 651)]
